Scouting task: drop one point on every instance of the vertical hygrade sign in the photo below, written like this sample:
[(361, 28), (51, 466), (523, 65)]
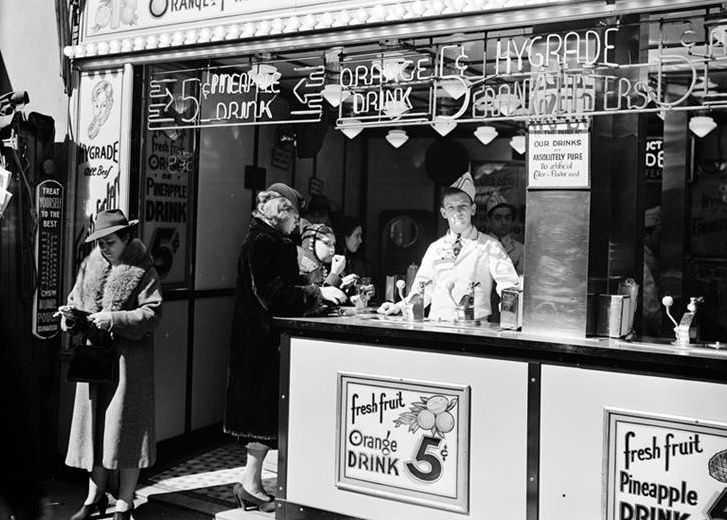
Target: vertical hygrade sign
[(101, 183), (404, 440), (558, 156), (49, 201), (660, 467)]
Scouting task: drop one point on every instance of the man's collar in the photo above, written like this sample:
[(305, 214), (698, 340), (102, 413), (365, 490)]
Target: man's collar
[(471, 233)]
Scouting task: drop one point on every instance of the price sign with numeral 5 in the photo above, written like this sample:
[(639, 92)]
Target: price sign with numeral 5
[(404, 440)]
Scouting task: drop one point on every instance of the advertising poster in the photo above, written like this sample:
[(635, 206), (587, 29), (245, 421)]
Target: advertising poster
[(559, 156), (404, 440), (101, 183), (663, 467), (49, 201), (168, 174)]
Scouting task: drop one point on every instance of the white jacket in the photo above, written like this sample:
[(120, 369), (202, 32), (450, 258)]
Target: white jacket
[(481, 259)]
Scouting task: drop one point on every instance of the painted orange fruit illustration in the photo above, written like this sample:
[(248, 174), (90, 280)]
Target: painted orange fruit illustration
[(444, 422), (437, 404), (430, 413), (425, 419)]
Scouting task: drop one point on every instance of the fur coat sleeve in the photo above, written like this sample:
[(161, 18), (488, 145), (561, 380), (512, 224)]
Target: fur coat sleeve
[(136, 323), (271, 281)]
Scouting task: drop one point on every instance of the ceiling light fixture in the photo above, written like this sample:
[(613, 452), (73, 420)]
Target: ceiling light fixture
[(702, 125), (334, 94), (397, 138), (454, 87), (351, 130), (485, 134), (518, 144), (444, 127)]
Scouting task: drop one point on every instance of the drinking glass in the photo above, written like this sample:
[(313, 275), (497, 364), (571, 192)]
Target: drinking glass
[(365, 290)]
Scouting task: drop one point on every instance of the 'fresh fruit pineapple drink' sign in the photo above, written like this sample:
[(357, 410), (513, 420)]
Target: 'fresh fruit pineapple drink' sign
[(404, 440), (664, 467)]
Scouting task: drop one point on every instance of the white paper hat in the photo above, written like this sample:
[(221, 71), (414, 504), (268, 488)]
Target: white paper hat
[(466, 184)]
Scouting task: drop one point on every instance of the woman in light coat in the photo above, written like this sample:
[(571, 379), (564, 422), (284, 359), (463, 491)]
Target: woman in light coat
[(113, 425)]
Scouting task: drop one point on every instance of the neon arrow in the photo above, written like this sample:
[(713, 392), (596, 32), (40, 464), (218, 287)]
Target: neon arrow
[(313, 100)]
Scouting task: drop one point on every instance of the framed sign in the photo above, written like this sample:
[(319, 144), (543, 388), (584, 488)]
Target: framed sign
[(559, 156), (48, 235), (404, 440), (102, 178), (663, 467)]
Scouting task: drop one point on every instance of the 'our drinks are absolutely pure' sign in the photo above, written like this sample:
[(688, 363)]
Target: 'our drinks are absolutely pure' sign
[(559, 156)]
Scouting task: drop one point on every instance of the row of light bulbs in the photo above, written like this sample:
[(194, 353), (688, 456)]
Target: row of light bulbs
[(700, 125), (397, 137), (395, 12)]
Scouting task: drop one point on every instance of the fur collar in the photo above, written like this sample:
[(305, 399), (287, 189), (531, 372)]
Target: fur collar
[(109, 288)]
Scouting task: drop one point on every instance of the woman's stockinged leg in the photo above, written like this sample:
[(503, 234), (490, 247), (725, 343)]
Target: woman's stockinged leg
[(252, 478), (127, 485), (97, 480)]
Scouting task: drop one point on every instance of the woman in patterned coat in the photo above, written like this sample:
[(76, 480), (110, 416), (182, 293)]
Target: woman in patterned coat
[(113, 424)]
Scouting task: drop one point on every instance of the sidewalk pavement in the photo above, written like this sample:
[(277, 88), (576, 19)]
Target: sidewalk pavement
[(196, 489)]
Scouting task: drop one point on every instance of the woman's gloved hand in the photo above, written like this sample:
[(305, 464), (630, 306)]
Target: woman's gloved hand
[(333, 294), (338, 264), (102, 320), (68, 318)]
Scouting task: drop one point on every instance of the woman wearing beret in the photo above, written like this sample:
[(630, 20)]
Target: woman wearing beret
[(113, 424), (268, 284)]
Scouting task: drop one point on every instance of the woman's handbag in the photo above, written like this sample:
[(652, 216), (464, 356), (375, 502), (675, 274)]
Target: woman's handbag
[(93, 358), (92, 364)]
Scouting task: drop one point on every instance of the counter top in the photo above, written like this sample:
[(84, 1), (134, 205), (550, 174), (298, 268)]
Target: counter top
[(651, 356)]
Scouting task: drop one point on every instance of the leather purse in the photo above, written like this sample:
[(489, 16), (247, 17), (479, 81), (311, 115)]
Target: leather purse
[(92, 364)]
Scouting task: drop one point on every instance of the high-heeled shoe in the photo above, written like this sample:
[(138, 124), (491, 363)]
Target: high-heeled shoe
[(250, 502), (123, 515), (87, 510)]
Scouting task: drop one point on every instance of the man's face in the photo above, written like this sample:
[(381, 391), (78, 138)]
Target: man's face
[(458, 209), (501, 221)]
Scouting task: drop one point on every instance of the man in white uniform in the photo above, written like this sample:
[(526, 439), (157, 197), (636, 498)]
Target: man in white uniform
[(461, 257)]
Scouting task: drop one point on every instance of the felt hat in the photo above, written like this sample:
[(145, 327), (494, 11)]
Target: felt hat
[(652, 217), (109, 221), (293, 195), (497, 199), (466, 184)]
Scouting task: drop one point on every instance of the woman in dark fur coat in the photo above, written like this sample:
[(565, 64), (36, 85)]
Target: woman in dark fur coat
[(113, 425), (268, 284)]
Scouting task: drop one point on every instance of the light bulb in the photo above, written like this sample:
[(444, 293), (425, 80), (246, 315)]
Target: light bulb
[(350, 130), (485, 134), (444, 127), (397, 138), (702, 125), (334, 94), (518, 144)]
